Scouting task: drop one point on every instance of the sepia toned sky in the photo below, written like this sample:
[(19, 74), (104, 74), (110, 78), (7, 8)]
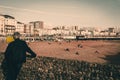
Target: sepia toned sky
[(93, 13)]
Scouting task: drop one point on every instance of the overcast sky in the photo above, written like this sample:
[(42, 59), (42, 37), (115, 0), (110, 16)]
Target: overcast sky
[(96, 13)]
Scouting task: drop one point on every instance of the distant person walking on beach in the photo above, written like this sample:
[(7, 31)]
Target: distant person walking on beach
[(15, 56)]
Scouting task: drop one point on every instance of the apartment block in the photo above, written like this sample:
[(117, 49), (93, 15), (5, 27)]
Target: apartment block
[(35, 27), (7, 24)]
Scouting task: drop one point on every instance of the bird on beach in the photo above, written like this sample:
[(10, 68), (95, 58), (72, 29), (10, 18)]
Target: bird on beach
[(97, 52), (77, 53), (67, 49)]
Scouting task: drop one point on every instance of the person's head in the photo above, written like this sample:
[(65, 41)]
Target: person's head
[(16, 35)]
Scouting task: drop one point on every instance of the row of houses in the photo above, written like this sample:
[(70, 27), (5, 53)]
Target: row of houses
[(8, 25), (89, 32)]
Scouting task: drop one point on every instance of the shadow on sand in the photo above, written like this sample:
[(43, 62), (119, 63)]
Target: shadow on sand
[(113, 59)]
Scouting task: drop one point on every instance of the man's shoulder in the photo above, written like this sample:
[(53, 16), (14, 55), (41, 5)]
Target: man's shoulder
[(22, 41), (11, 43), (18, 42)]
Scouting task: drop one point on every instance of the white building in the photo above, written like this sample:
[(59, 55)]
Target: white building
[(27, 29), (20, 27), (96, 33), (104, 34), (35, 26), (2, 25), (86, 33), (8, 24), (46, 32)]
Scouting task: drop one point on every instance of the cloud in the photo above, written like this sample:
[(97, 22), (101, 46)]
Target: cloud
[(8, 7), (40, 12)]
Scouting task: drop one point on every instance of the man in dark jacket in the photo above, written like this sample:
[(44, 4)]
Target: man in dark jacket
[(15, 56)]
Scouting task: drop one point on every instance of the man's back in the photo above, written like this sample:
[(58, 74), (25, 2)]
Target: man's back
[(16, 51), (15, 55)]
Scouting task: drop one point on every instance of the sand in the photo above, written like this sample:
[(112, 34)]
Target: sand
[(90, 51)]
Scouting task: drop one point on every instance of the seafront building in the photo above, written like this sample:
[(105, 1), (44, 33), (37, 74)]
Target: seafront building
[(35, 27), (20, 27), (8, 25)]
